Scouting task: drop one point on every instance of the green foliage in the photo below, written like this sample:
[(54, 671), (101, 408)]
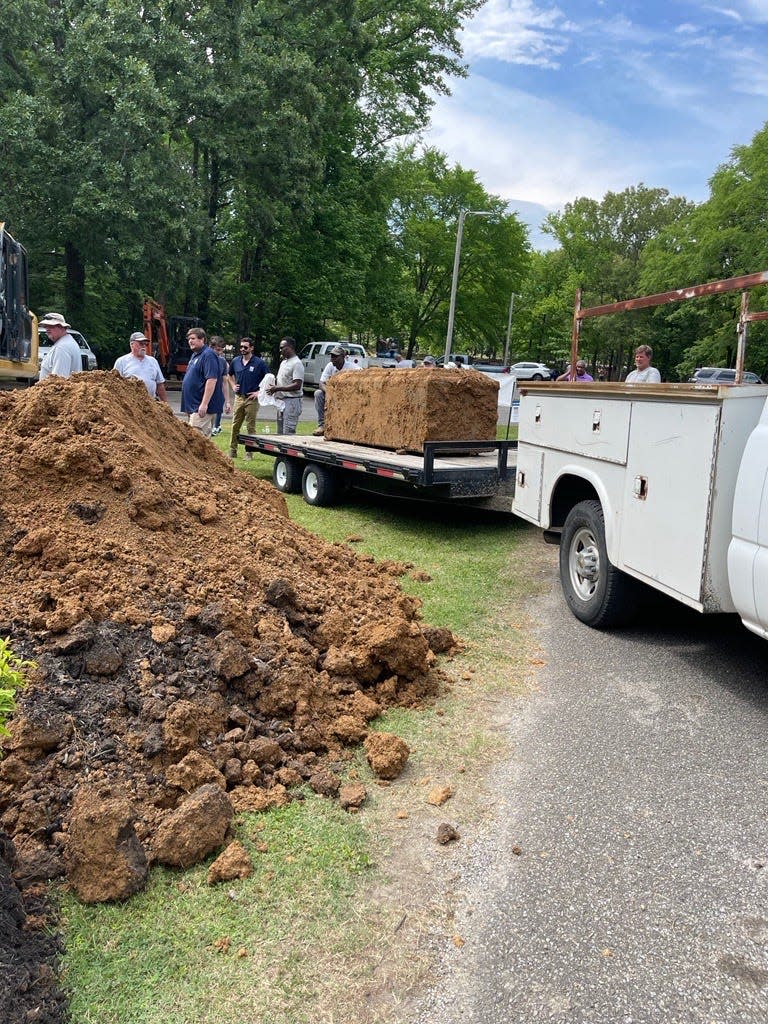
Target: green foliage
[(216, 157), (726, 236), (427, 197), (12, 670)]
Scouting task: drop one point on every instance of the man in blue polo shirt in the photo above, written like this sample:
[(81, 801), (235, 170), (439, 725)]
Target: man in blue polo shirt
[(246, 372), (202, 394)]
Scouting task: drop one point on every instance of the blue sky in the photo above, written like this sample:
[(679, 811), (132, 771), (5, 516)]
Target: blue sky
[(582, 97)]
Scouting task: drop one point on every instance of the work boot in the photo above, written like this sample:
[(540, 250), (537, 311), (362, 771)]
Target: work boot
[(319, 432), (249, 456)]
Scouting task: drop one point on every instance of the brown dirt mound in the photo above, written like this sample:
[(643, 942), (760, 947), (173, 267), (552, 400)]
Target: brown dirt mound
[(195, 648)]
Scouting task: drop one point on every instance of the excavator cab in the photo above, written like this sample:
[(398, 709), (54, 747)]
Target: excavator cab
[(168, 338), (18, 326)]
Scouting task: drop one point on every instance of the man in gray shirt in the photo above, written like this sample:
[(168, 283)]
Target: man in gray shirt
[(138, 364), (63, 359)]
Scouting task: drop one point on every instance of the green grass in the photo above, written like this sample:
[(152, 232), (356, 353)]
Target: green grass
[(311, 947), (171, 954)]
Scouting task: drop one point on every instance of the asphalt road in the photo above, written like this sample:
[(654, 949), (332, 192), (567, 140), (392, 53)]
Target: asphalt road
[(625, 878)]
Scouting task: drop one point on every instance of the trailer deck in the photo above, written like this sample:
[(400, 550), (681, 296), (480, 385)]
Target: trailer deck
[(477, 473)]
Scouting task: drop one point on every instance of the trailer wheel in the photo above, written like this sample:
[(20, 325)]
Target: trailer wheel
[(319, 485), (286, 475), (596, 591)]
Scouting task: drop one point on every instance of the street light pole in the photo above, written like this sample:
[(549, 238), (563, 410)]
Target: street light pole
[(463, 214), (509, 329)]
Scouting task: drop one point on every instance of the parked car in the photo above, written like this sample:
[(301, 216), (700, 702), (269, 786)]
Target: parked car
[(86, 352), (316, 356), (531, 371), (721, 375)]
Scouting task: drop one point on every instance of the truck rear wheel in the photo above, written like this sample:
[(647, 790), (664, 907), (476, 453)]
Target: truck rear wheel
[(319, 485), (596, 591), (286, 475)]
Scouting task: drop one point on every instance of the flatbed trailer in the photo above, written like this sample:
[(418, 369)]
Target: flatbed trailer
[(477, 474)]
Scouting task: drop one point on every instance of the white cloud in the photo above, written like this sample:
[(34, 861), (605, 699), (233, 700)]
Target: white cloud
[(746, 10), (530, 149), (517, 32)]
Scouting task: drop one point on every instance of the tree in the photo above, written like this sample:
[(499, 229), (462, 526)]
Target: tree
[(726, 236), (173, 149), (429, 196), (603, 245)]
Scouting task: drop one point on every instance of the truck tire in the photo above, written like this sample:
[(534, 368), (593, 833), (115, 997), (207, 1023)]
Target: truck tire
[(286, 475), (597, 593), (319, 485)]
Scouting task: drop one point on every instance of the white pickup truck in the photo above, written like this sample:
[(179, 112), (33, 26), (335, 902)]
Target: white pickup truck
[(661, 483), (316, 356), (666, 484)]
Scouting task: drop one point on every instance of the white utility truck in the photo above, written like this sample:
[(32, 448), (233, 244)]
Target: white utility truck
[(666, 484)]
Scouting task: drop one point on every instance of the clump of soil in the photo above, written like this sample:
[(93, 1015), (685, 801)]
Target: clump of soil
[(189, 637)]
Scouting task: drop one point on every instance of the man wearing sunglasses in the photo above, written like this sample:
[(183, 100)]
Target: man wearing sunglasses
[(246, 372)]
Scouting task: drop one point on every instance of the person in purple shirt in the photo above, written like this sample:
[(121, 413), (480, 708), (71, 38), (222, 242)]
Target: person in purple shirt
[(582, 377)]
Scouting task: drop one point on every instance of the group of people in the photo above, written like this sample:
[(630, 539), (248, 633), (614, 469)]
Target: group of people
[(210, 381), (643, 372)]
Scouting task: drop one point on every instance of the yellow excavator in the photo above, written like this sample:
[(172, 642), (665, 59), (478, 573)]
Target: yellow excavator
[(18, 326)]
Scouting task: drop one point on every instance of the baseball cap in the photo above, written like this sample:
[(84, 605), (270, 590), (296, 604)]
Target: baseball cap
[(138, 336)]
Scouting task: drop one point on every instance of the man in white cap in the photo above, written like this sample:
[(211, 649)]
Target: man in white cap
[(339, 361), (64, 358), (138, 364)]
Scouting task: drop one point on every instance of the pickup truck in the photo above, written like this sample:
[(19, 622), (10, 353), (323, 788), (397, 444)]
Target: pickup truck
[(660, 484), (316, 356)]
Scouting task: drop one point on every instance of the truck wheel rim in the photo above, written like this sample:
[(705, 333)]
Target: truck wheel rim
[(584, 563), (311, 485), (281, 473)]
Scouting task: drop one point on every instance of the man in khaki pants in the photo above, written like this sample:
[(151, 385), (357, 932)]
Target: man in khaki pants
[(246, 373), (202, 394)]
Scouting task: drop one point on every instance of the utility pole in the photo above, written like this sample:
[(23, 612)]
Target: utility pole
[(463, 214), (509, 329)]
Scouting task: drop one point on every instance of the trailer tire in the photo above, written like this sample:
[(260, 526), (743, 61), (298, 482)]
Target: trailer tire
[(319, 485), (286, 475), (597, 593)]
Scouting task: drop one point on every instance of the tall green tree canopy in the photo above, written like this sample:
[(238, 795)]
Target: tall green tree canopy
[(171, 149), (429, 196)]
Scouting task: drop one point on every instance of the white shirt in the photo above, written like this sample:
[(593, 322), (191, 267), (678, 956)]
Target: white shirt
[(650, 375), (63, 359), (331, 371), (146, 369)]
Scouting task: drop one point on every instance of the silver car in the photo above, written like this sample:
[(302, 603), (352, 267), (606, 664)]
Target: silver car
[(531, 371), (721, 375)]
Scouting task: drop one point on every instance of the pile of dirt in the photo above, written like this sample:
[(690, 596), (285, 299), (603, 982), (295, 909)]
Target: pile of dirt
[(197, 653), (29, 951)]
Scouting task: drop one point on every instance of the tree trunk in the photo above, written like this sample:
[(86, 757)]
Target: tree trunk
[(74, 285)]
